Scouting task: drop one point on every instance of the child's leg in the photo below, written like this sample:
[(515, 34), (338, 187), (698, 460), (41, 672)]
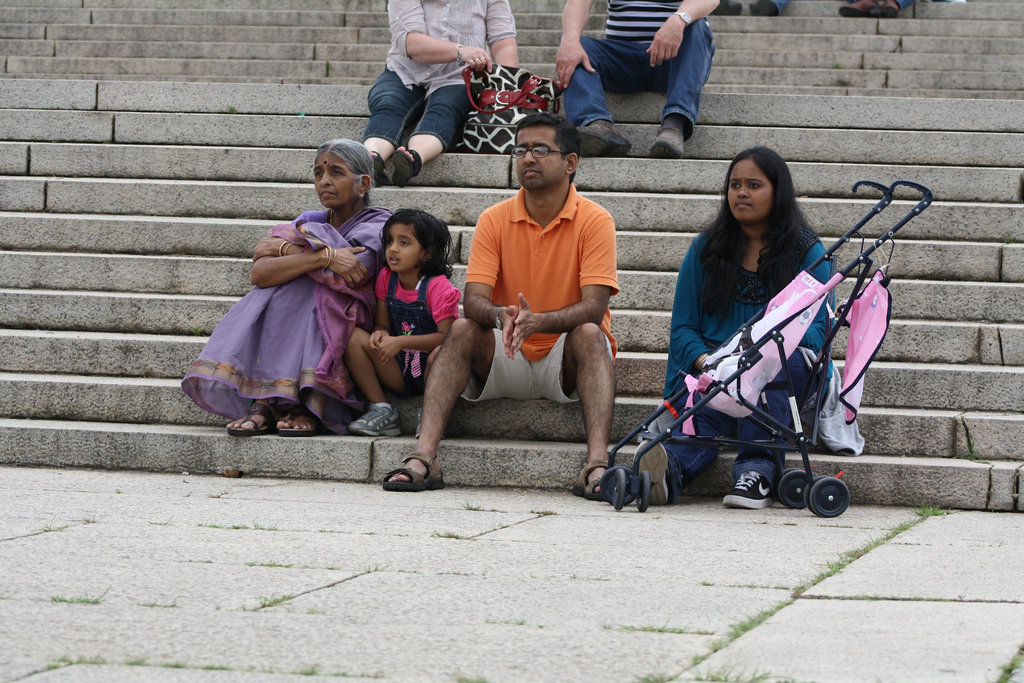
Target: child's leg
[(367, 371)]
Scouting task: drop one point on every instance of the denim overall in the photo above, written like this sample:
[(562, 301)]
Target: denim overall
[(410, 317)]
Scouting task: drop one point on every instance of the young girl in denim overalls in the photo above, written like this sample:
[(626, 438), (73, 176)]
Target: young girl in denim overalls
[(416, 305)]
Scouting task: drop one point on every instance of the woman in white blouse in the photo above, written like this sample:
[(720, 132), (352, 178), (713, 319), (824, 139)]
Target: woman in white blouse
[(421, 88)]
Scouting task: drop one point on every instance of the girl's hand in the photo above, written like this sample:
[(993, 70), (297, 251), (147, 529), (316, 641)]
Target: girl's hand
[(270, 246), (388, 348), (348, 267), (376, 337)]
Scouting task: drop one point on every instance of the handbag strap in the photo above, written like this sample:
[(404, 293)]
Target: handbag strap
[(519, 98)]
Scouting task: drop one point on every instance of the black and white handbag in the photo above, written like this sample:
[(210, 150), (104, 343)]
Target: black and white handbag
[(500, 99)]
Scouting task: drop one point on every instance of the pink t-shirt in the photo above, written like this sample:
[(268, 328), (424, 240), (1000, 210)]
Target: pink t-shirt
[(442, 296)]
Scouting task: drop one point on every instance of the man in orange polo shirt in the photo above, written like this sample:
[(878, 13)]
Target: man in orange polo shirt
[(541, 271)]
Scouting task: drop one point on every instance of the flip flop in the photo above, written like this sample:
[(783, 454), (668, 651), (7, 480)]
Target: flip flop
[(257, 409), (300, 411), (405, 169)]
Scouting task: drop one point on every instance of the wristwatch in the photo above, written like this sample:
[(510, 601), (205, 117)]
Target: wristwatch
[(687, 19), (458, 55), (497, 317)]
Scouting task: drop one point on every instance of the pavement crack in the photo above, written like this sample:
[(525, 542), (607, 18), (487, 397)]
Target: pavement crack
[(536, 515), (320, 588)]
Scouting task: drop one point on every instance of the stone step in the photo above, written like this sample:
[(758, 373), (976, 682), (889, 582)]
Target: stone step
[(902, 431), (219, 17), (952, 45), (181, 50), (642, 337), (764, 110), (903, 26), (956, 183), (918, 11), (645, 260), (143, 400), (710, 141), (201, 33), (462, 206), (873, 479), (257, 68), (923, 256)]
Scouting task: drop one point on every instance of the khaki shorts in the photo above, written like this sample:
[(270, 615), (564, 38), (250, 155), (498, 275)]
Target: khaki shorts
[(522, 379)]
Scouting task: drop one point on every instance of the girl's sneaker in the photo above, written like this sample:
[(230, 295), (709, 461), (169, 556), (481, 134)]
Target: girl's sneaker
[(377, 421)]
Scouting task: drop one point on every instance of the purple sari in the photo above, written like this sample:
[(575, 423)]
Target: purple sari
[(284, 344)]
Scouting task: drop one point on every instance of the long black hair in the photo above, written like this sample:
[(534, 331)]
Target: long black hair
[(725, 246), (432, 234)]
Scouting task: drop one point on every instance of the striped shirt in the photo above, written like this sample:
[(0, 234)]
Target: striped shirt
[(637, 20)]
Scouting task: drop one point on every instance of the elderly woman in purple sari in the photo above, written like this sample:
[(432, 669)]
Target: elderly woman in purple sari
[(274, 363)]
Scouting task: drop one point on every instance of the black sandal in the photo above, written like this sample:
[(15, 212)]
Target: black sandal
[(257, 409), (296, 412), (380, 174), (404, 168)]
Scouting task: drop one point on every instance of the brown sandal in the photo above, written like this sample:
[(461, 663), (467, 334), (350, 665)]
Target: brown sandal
[(433, 481), (585, 488), (257, 409)]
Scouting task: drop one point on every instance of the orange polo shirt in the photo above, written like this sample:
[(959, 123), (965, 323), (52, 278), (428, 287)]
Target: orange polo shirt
[(549, 264)]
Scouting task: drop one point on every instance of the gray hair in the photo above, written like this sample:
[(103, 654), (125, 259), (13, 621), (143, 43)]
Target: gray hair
[(355, 156)]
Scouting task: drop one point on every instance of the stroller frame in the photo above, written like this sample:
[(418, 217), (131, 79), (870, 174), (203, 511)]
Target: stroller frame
[(825, 496)]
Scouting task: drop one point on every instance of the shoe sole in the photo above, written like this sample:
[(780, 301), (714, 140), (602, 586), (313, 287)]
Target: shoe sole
[(746, 503), (394, 431), (764, 8), (597, 146), (663, 150), (890, 13), (850, 12), (655, 462), (402, 167)]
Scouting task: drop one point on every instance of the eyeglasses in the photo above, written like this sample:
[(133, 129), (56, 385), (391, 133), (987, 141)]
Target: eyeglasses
[(538, 151)]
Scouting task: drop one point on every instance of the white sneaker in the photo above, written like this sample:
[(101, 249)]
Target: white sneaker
[(377, 421)]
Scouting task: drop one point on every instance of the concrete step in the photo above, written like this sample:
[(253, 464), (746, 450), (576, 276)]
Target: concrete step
[(202, 33), (948, 483), (223, 68), (642, 337), (218, 17), (180, 50), (765, 110), (957, 183), (942, 45), (143, 400), (462, 206)]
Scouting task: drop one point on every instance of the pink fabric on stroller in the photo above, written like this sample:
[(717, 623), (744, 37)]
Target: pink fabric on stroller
[(791, 311), (869, 321)]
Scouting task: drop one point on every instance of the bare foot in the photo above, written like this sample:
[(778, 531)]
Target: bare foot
[(413, 465)]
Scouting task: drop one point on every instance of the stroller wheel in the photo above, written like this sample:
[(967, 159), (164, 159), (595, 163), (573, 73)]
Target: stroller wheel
[(619, 487), (792, 485), (609, 487), (643, 498), (828, 497)]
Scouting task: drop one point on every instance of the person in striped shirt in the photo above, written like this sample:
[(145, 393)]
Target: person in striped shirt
[(649, 46)]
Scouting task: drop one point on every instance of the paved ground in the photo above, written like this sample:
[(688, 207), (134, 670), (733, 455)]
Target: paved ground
[(111, 576)]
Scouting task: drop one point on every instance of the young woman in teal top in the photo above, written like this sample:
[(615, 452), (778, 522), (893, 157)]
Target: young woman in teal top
[(755, 246)]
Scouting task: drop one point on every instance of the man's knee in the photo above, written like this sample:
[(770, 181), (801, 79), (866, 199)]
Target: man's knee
[(586, 338)]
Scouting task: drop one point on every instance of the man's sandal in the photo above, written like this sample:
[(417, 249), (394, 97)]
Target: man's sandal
[(406, 165), (587, 489), (433, 481), (257, 409)]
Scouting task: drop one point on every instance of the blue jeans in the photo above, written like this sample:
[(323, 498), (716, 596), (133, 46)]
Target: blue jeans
[(623, 66), (395, 109), (686, 462)]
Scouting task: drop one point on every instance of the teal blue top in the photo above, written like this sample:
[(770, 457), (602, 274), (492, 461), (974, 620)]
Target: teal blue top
[(695, 332)]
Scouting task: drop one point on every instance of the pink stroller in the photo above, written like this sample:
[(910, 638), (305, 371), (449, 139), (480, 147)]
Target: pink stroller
[(741, 369)]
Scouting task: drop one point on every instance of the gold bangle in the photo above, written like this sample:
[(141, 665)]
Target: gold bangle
[(328, 257), (283, 249)]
